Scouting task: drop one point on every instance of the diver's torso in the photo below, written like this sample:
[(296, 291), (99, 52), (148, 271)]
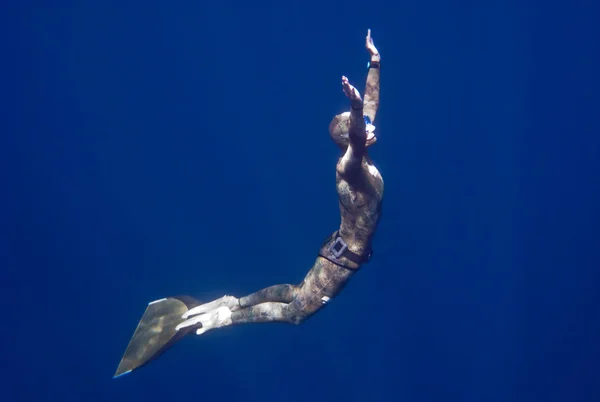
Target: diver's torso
[(360, 206)]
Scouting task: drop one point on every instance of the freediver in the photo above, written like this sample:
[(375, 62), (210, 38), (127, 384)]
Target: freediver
[(360, 191)]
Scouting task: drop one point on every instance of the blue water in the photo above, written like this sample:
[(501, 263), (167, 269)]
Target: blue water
[(161, 148)]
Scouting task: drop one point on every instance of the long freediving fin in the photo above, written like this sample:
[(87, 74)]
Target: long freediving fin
[(156, 332)]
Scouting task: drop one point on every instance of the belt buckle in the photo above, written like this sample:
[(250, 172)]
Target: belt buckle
[(338, 247)]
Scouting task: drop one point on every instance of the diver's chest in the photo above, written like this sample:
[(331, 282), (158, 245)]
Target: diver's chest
[(365, 192)]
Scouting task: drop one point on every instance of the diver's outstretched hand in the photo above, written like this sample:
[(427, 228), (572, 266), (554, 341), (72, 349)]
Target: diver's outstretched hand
[(352, 93), (371, 47)]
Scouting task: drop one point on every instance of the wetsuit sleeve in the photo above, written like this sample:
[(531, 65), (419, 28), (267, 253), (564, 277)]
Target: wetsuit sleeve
[(371, 102), (351, 161)]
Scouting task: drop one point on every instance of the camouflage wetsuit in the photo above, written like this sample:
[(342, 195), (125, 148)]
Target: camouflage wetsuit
[(360, 194)]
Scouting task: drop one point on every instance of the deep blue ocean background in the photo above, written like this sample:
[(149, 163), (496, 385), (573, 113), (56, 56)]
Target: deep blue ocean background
[(159, 148)]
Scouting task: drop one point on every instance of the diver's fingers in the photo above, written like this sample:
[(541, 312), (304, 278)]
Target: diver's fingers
[(345, 85), (350, 91)]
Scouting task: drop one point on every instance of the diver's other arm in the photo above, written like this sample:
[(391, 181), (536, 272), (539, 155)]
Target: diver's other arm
[(371, 102), (357, 132)]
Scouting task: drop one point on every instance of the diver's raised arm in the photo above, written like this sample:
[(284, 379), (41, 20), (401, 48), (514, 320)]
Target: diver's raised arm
[(357, 134), (371, 102)]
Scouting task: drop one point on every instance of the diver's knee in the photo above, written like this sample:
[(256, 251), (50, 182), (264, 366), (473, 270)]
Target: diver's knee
[(295, 317), (298, 319)]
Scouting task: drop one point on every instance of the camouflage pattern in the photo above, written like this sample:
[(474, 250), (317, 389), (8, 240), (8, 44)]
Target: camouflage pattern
[(340, 124), (360, 196)]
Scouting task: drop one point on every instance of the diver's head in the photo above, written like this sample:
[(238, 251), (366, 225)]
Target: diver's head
[(339, 129)]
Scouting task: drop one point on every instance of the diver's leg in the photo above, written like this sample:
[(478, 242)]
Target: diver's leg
[(223, 317), (307, 301), (276, 293), (278, 303), (265, 312), (304, 304)]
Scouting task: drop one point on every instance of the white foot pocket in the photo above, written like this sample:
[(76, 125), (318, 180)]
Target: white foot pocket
[(228, 301), (217, 318)]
